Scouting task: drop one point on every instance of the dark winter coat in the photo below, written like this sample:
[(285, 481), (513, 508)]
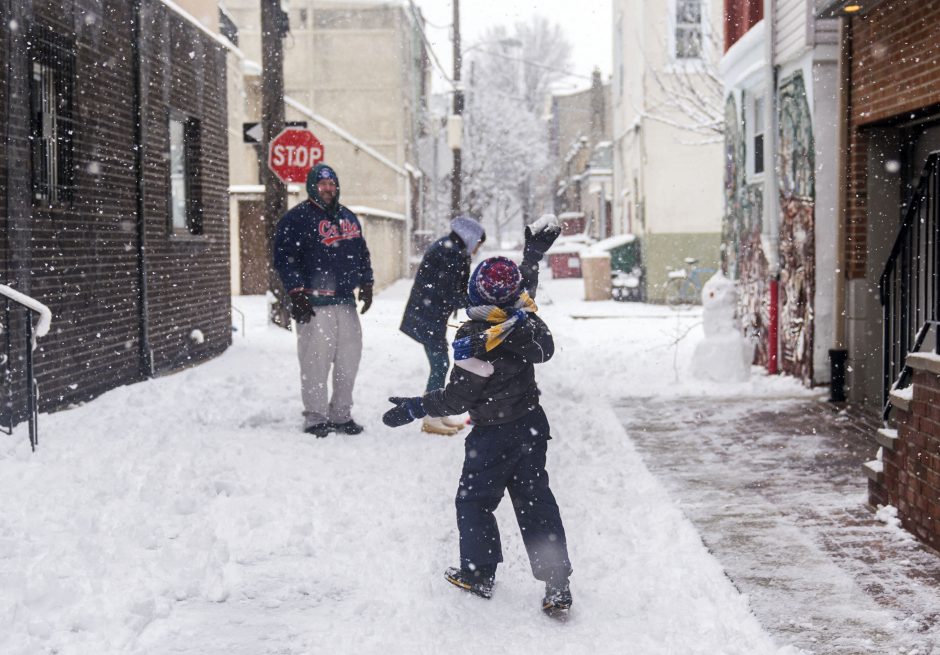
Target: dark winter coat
[(323, 253), (498, 387), (440, 287)]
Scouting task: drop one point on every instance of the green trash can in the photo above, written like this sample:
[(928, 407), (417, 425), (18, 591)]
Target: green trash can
[(624, 252)]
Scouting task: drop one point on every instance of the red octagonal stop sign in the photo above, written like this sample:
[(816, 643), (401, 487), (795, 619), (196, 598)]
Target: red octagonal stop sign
[(292, 153)]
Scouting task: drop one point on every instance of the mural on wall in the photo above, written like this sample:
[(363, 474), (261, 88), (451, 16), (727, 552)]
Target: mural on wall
[(734, 181), (743, 257), (797, 229)]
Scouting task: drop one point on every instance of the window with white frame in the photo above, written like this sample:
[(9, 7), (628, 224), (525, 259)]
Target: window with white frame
[(688, 36), (757, 135)]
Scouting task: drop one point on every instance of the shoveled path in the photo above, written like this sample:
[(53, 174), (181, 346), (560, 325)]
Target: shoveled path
[(775, 489)]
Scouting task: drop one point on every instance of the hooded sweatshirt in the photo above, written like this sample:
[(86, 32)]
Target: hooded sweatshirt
[(319, 248)]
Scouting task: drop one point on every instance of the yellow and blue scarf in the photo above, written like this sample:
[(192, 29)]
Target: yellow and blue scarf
[(504, 320)]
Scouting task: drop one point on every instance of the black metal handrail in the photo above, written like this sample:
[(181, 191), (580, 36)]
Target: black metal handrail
[(908, 286), (32, 391)]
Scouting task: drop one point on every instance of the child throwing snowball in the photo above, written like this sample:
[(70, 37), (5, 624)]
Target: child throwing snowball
[(493, 379)]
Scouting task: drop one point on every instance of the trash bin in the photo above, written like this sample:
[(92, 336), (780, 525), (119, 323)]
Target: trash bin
[(595, 268)]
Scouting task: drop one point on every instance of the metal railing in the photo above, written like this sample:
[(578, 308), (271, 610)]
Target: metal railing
[(909, 283), (30, 305)]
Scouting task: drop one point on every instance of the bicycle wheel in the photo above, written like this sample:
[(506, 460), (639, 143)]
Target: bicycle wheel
[(690, 292), (673, 294)]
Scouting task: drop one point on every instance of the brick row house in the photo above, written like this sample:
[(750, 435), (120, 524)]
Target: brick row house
[(114, 201), (891, 58), (832, 178)]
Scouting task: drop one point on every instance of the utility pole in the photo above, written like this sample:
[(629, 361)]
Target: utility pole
[(455, 128), (274, 27)]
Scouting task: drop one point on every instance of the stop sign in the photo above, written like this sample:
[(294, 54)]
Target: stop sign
[(292, 153)]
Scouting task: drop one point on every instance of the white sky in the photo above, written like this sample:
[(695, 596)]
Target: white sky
[(587, 24)]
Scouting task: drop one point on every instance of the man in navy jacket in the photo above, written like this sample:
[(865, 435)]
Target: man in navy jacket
[(322, 259)]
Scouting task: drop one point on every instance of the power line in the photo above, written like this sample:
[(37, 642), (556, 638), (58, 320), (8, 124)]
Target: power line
[(536, 64), (424, 37)]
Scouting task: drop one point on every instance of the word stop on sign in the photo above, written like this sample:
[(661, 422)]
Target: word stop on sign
[(299, 156)]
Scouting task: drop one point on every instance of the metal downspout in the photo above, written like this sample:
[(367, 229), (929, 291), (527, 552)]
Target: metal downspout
[(771, 193), (838, 355), (145, 353)]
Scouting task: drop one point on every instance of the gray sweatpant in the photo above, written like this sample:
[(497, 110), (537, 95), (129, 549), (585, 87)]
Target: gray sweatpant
[(332, 338)]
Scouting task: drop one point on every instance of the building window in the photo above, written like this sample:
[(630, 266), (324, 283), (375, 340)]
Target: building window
[(51, 74), (688, 32), (185, 174), (757, 135)]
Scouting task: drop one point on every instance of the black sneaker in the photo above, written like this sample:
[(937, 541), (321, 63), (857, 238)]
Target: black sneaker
[(472, 581), (557, 599), (349, 427), (319, 431)]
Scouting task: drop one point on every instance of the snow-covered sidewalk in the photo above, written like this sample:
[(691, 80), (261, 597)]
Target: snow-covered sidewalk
[(190, 514)]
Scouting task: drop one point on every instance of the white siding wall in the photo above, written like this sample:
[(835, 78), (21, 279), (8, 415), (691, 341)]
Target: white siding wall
[(793, 23)]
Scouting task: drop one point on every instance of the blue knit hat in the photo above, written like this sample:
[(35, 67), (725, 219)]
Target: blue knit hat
[(495, 281)]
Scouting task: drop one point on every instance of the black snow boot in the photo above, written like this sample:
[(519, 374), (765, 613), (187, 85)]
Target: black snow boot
[(557, 599), (349, 427), (319, 431), (479, 583)]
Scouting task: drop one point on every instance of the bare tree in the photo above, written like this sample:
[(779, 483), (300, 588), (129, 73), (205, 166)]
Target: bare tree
[(689, 93), (506, 166)]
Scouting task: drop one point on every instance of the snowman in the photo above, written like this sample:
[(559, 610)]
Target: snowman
[(724, 355)]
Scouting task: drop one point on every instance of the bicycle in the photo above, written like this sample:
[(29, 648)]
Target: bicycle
[(684, 285)]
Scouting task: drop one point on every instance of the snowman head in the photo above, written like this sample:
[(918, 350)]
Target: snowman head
[(719, 294)]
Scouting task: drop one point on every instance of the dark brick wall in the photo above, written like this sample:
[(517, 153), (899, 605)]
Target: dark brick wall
[(82, 257), (188, 277), (894, 72)]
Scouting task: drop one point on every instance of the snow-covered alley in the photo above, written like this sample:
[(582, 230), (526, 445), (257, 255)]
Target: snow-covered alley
[(190, 514)]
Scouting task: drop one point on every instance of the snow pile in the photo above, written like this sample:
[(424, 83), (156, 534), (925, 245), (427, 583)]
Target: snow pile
[(724, 354)]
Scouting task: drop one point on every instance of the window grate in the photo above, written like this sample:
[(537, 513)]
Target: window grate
[(51, 81)]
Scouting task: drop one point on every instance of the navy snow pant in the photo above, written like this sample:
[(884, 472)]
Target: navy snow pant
[(510, 456)]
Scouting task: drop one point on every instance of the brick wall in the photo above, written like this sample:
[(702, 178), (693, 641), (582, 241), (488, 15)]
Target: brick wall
[(912, 465), (894, 71), (188, 276), (81, 257)]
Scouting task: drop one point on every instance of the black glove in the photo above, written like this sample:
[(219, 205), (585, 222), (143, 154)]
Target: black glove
[(365, 297), (538, 242), (405, 411), (300, 308)]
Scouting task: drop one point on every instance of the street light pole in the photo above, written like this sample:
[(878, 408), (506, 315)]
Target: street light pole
[(455, 187)]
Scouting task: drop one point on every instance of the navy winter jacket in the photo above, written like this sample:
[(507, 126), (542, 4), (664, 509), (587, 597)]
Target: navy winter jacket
[(499, 387), (439, 288), (324, 255)]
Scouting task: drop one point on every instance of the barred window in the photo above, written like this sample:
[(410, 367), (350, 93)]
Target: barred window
[(688, 29), (185, 175), (51, 81)]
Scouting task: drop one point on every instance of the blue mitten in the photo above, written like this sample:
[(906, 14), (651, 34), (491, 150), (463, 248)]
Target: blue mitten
[(463, 348), (520, 315), (405, 411)]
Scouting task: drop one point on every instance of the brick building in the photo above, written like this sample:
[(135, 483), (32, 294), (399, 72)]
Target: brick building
[(114, 202), (891, 244)]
